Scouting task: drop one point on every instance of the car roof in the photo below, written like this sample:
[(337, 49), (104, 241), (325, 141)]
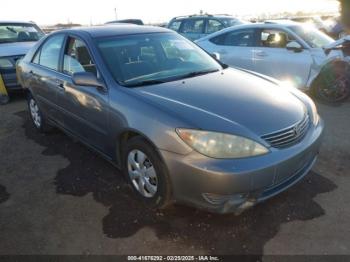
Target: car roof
[(117, 30), (203, 16), (285, 22), (16, 22), (250, 26)]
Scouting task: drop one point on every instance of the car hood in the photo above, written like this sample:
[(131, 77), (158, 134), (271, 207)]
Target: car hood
[(14, 49), (228, 101)]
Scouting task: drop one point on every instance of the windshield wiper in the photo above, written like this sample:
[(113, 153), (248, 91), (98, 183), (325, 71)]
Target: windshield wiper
[(145, 83), (198, 73)]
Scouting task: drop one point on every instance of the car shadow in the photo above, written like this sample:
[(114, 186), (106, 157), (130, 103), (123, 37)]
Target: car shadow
[(218, 234), (4, 195)]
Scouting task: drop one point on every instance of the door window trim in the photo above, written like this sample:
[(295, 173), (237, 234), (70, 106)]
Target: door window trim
[(66, 43), (38, 51), (260, 30)]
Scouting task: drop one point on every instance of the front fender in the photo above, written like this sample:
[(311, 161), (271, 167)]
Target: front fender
[(333, 57)]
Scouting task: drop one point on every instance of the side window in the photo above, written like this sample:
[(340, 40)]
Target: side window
[(77, 58), (49, 53), (213, 26), (175, 25), (193, 26), (274, 38), (243, 38)]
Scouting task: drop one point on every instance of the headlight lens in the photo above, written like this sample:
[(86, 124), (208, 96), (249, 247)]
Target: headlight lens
[(220, 145), (6, 63), (315, 116)]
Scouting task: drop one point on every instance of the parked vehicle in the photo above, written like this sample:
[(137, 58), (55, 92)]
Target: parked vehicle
[(287, 51), (194, 27), (333, 83), (127, 21), (180, 125), (16, 38)]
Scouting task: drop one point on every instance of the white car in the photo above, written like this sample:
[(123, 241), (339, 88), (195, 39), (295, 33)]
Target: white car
[(286, 50)]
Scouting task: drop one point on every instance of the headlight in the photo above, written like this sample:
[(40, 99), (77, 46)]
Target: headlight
[(315, 116), (6, 63), (219, 145)]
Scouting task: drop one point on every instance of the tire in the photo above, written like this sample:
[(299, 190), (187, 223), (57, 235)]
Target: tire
[(38, 119), (333, 84), (152, 188)]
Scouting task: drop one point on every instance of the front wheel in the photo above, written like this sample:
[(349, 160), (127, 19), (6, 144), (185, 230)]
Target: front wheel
[(147, 173), (333, 83)]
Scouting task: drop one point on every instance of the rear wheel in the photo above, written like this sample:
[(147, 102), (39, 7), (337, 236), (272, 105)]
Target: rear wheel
[(147, 173), (333, 83), (37, 117)]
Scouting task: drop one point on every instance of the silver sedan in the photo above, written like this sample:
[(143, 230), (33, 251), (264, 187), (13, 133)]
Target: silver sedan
[(180, 125)]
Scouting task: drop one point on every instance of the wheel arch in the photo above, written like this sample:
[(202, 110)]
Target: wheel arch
[(124, 137), (337, 61)]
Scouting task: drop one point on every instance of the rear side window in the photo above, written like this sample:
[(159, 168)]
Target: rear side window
[(77, 58), (213, 26), (49, 53), (243, 38), (175, 25), (193, 26)]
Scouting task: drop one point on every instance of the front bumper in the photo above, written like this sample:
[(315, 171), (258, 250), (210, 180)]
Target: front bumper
[(234, 185)]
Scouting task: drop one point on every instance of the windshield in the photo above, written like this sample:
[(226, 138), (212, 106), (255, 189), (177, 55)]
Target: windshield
[(137, 60), (315, 38), (10, 33)]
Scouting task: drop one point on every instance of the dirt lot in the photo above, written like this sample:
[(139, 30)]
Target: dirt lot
[(57, 197)]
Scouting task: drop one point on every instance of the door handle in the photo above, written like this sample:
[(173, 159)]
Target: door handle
[(59, 84), (261, 54)]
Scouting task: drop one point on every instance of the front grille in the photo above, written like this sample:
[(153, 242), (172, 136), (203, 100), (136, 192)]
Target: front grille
[(289, 136)]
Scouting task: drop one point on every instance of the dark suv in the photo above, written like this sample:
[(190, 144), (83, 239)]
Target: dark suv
[(197, 26)]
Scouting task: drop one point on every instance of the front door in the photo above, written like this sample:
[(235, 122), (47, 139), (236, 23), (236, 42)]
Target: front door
[(272, 58), (84, 108)]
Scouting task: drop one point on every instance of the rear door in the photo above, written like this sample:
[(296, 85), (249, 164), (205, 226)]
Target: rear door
[(45, 74), (272, 58), (235, 47), (193, 28), (83, 108)]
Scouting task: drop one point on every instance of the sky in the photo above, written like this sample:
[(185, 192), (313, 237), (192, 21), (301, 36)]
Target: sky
[(100, 11)]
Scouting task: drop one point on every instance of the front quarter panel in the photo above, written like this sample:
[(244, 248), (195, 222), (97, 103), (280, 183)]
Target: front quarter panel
[(129, 112)]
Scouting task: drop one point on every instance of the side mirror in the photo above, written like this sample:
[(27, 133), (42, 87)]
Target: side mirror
[(86, 79), (215, 55), (294, 46)]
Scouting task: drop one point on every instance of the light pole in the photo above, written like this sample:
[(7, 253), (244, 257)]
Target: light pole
[(115, 13)]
